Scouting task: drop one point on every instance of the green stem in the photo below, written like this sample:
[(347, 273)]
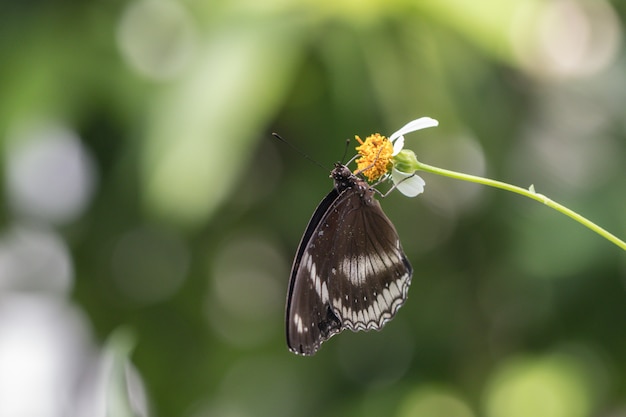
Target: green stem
[(530, 193)]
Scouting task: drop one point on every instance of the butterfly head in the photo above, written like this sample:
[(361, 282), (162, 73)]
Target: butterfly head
[(343, 177)]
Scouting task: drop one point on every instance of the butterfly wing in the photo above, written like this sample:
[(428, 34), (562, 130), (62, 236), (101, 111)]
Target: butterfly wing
[(374, 274), (350, 272), (309, 320)]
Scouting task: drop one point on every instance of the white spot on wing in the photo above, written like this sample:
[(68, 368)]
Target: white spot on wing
[(298, 322), (321, 288), (382, 307), (313, 273), (317, 282), (376, 308), (358, 269), (393, 289), (387, 296)]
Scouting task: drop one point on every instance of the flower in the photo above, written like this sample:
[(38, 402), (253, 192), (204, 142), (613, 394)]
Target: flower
[(379, 154), (376, 152)]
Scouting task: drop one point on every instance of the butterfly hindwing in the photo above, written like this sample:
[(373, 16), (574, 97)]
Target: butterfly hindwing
[(373, 274), (350, 271)]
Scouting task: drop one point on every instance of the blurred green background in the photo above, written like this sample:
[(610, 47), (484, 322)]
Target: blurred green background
[(149, 219)]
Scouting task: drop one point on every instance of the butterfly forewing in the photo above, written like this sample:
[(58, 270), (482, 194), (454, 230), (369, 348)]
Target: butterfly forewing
[(309, 319), (350, 271)]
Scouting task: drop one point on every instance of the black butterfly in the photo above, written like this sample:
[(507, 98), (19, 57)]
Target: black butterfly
[(350, 271)]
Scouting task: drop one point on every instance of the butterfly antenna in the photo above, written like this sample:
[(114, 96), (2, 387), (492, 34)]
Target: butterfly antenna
[(345, 152), (298, 150)]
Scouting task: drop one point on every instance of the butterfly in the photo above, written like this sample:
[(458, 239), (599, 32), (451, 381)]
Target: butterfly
[(350, 271)]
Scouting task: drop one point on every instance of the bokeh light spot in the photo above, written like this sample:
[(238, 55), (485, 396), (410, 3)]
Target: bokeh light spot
[(149, 264), (567, 38), (392, 348), (156, 37), (50, 175), (43, 346), (248, 277), (433, 401), (551, 386), (462, 153), (34, 260), (261, 386)]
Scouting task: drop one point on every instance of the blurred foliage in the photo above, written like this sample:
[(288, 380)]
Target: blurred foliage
[(143, 192)]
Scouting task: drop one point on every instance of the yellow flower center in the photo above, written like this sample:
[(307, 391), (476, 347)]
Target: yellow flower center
[(375, 157)]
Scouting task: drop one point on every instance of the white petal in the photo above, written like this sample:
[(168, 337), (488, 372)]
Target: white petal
[(410, 185), (398, 144), (421, 123)]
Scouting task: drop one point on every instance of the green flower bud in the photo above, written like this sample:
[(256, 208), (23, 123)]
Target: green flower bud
[(405, 161)]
